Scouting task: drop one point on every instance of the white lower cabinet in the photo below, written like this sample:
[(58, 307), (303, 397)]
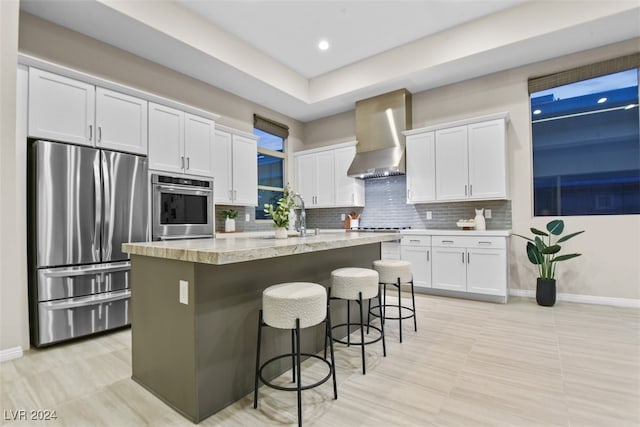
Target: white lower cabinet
[(470, 264), (419, 255), (460, 264), (390, 250)]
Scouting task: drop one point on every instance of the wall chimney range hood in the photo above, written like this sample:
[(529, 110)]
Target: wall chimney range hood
[(380, 122)]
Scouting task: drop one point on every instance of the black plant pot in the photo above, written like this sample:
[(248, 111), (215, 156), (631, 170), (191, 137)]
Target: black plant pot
[(546, 292)]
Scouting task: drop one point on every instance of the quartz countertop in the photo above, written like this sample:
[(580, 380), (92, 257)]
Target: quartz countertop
[(456, 232), (239, 248)]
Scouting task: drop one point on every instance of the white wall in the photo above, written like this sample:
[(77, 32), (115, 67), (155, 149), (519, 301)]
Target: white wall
[(13, 294), (609, 266)]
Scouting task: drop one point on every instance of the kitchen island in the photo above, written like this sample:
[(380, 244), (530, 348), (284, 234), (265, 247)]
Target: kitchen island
[(195, 304)]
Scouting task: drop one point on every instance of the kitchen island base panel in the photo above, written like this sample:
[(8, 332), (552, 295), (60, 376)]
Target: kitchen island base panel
[(200, 357)]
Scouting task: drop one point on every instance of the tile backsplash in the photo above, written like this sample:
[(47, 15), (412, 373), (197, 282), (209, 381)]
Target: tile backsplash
[(386, 207)]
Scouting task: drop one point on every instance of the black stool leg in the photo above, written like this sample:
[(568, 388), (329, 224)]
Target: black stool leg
[(348, 323), (255, 391), (369, 313), (364, 368), (293, 358), (413, 302), (299, 370), (383, 305), (400, 309), (384, 344), (333, 360)]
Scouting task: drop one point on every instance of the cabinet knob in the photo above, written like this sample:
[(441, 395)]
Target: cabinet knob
[(90, 132), (463, 257), (99, 133)]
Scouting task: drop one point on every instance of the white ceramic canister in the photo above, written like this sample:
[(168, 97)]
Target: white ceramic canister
[(479, 219)]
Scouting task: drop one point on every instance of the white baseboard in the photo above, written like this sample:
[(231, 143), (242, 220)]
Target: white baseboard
[(10, 353), (583, 299)]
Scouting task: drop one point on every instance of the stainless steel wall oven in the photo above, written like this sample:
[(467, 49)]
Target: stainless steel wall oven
[(182, 208)]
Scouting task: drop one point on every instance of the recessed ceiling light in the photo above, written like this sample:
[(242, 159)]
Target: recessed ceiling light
[(323, 45), (537, 111), (602, 100)]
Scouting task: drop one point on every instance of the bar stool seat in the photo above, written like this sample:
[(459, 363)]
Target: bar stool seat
[(295, 306), (356, 284), (396, 273)]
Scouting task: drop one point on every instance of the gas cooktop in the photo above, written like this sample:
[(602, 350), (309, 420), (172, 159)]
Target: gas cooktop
[(381, 229)]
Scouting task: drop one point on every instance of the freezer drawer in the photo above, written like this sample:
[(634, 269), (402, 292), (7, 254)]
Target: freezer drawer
[(69, 282), (75, 317)]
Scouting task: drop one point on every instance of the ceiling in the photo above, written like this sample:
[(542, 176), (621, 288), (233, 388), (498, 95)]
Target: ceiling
[(266, 51)]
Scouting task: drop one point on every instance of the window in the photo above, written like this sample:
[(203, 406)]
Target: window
[(586, 146), (271, 161)]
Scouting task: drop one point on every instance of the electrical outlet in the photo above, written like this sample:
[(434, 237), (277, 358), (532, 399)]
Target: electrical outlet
[(487, 213), (247, 217), (342, 217), (429, 215), (184, 292)]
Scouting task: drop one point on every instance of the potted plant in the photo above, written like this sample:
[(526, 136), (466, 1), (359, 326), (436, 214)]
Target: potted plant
[(280, 214), (230, 220), (544, 254)]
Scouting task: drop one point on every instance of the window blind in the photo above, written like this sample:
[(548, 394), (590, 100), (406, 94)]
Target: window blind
[(585, 72), (270, 126)]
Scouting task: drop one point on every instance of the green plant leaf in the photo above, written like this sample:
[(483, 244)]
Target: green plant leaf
[(568, 236), (534, 254), (565, 257), (538, 232), (540, 244), (553, 249), (555, 227)]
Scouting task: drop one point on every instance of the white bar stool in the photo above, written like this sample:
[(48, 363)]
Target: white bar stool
[(395, 273), (295, 306), (356, 284)]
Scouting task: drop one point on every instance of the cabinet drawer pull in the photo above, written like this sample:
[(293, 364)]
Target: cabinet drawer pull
[(428, 256), (471, 189), (465, 190), (414, 241), (447, 241), (187, 162), (99, 133), (484, 243), (468, 258), (463, 257), (181, 162), (90, 132)]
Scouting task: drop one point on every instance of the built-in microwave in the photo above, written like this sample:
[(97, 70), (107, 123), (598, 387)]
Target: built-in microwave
[(182, 208)]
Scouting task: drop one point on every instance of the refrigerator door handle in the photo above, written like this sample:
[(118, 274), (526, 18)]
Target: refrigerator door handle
[(86, 270), (97, 209), (85, 301), (106, 210)]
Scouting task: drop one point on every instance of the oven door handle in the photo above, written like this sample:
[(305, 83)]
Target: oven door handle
[(198, 191), (85, 301), (186, 236)]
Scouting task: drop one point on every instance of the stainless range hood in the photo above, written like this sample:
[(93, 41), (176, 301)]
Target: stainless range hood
[(379, 124)]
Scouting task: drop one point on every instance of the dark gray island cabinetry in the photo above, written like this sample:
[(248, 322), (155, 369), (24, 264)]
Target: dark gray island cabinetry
[(195, 303)]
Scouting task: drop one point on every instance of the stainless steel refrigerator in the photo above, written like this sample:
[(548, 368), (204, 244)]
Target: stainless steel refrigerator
[(83, 203)]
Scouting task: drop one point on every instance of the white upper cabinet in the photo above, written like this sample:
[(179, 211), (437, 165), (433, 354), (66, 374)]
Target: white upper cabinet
[(68, 110), (222, 169), (315, 174), (180, 142), (421, 167), (121, 121), (452, 178), (60, 108), (464, 160), (235, 169), (199, 136), (166, 138), (349, 191), (487, 160), (245, 171), (321, 177)]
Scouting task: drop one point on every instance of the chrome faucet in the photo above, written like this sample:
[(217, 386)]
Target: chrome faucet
[(301, 219)]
